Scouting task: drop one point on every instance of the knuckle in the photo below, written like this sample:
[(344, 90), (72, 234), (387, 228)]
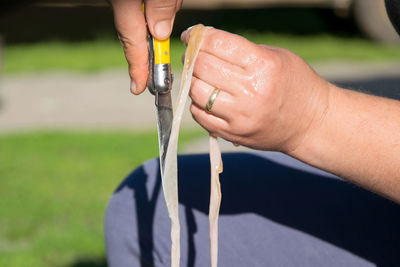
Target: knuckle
[(274, 61), (249, 81), (192, 109), (201, 59), (270, 61), (195, 114), (201, 65), (163, 6), (178, 5), (253, 125), (126, 42), (238, 129), (194, 90), (213, 38), (244, 126), (134, 68)]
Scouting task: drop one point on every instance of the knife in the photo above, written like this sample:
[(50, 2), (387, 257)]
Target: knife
[(159, 83)]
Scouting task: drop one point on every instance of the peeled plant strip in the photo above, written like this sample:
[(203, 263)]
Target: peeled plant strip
[(170, 172), (215, 198)]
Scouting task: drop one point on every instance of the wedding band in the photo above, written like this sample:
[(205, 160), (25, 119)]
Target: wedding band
[(211, 100)]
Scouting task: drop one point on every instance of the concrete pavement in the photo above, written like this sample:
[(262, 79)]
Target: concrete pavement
[(67, 100), (101, 100)]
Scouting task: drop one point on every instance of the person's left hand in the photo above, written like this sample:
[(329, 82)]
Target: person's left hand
[(270, 98)]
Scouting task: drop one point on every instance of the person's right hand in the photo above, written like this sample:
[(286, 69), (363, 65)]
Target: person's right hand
[(131, 26)]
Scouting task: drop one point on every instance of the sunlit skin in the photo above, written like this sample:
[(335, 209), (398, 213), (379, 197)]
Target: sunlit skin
[(260, 99), (130, 23), (271, 99)]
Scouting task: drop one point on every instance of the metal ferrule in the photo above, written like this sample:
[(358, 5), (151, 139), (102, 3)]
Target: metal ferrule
[(162, 78)]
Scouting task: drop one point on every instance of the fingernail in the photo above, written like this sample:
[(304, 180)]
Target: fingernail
[(162, 29), (183, 58), (133, 86), (183, 35)]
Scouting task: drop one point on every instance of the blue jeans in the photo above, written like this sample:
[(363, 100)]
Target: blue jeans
[(275, 211)]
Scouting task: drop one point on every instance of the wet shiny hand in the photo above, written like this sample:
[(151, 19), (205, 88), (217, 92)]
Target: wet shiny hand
[(269, 97)]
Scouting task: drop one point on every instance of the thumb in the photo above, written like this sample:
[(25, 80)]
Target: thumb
[(160, 16)]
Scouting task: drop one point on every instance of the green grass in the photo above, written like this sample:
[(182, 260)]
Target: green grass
[(85, 56), (329, 47), (81, 56), (54, 188), (103, 54)]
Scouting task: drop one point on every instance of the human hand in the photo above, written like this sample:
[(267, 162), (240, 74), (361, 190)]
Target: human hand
[(131, 26), (270, 99)]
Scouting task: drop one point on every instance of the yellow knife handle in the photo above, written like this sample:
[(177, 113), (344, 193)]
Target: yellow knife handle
[(160, 77), (161, 52), (161, 49)]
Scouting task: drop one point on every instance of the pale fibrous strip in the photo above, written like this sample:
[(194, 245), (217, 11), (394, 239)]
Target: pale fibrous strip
[(170, 173), (215, 198)]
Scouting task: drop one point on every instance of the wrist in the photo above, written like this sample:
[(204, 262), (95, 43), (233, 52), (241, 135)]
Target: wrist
[(310, 142)]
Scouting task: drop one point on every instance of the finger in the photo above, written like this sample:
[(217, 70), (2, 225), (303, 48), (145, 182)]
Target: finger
[(183, 58), (219, 73), (210, 122), (227, 46), (178, 5), (200, 92), (213, 124), (160, 16), (131, 27)]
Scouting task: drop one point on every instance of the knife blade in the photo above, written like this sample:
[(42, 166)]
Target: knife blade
[(159, 84), (164, 123)]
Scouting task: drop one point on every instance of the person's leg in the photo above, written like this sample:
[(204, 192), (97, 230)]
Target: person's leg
[(275, 212)]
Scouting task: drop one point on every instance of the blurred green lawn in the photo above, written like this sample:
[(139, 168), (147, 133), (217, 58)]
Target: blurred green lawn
[(103, 54), (54, 188)]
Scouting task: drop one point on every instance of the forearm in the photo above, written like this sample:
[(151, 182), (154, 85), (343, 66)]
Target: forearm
[(359, 140), (270, 99)]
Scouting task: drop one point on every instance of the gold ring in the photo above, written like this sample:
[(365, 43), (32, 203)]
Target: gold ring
[(211, 100)]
